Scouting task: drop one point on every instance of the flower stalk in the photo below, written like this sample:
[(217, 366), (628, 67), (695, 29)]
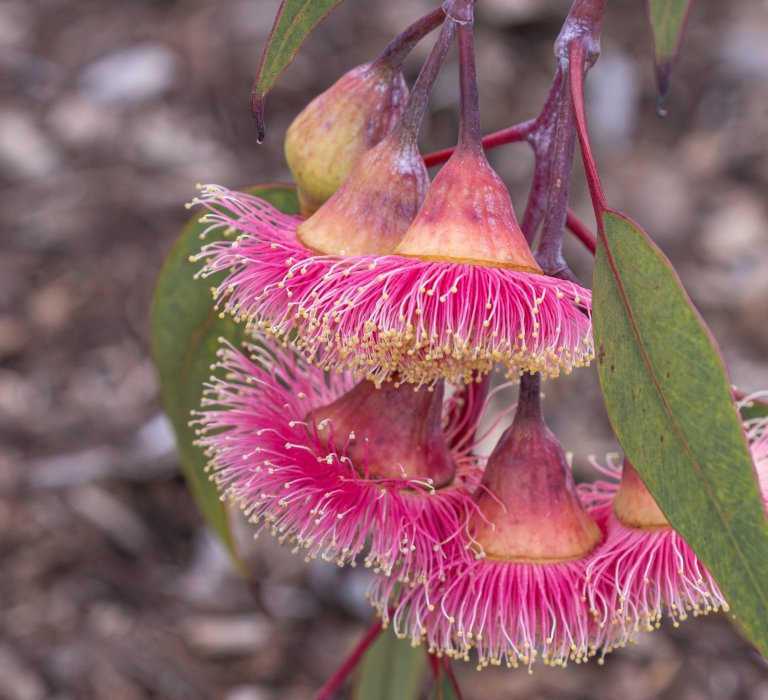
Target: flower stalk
[(398, 49), (549, 252)]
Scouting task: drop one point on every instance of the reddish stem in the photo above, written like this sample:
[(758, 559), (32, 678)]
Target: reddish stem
[(582, 232), (512, 134), (398, 49), (577, 55), (541, 140), (470, 132), (582, 24), (410, 121), (530, 130), (349, 664), (452, 677), (549, 253), (529, 399)]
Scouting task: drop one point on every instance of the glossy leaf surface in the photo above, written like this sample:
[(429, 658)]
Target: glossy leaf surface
[(670, 404), (185, 332)]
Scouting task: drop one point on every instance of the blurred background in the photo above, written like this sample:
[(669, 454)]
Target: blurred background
[(110, 586)]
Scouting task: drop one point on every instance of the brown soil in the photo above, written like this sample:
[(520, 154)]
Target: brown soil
[(109, 113)]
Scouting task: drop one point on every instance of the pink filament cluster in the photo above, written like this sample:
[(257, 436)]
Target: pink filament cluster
[(269, 458), (516, 612), (512, 613), (757, 434), (638, 575), (379, 315)]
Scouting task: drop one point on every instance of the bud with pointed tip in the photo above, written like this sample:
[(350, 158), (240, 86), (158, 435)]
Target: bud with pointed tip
[(468, 217), (528, 507), (633, 504), (371, 210), (328, 137)]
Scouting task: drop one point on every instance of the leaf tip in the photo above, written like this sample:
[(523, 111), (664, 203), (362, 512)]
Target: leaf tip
[(257, 110), (663, 73)]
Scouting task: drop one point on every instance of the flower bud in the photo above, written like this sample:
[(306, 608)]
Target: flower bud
[(328, 137), (374, 206), (529, 509), (393, 432), (468, 217), (633, 504)]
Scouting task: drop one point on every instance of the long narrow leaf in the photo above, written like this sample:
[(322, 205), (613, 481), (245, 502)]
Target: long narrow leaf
[(391, 668), (671, 406), (185, 332), (442, 688), (668, 19), (295, 20)]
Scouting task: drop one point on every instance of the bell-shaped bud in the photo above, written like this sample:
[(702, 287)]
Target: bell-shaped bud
[(468, 217), (380, 197), (394, 432), (633, 504), (331, 133), (374, 206), (528, 507)]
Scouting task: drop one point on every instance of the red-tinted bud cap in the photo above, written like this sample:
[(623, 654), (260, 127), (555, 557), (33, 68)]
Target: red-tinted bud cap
[(375, 204), (633, 504), (468, 217), (528, 506), (392, 433)]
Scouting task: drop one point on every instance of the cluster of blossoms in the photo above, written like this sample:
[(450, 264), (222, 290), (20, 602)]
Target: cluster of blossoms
[(349, 425)]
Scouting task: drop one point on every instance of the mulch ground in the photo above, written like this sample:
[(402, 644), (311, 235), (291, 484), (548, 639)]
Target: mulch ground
[(111, 587)]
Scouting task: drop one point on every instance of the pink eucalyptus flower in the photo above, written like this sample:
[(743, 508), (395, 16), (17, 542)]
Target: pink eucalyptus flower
[(512, 586), (757, 434), (645, 569), (394, 277), (459, 292), (336, 467)]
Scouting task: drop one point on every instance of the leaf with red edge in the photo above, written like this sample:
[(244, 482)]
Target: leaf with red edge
[(671, 406), (295, 21), (185, 333), (443, 687), (391, 668), (668, 19)]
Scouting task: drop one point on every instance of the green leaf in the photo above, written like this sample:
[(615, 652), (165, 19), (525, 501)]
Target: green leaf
[(442, 688), (668, 19), (185, 332), (671, 406), (295, 20), (391, 668), (755, 408)]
